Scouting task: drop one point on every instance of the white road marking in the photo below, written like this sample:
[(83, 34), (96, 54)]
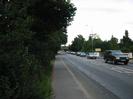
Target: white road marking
[(77, 81), (122, 70), (116, 69)]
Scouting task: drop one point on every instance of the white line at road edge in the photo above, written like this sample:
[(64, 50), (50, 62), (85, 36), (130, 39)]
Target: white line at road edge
[(77, 81)]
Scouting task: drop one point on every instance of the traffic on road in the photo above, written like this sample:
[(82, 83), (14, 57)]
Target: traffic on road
[(114, 56), (98, 79)]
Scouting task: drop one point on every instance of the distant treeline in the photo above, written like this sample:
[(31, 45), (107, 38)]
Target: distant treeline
[(31, 32), (80, 44)]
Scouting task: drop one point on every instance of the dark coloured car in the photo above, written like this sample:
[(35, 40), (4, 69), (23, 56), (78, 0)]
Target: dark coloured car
[(115, 56)]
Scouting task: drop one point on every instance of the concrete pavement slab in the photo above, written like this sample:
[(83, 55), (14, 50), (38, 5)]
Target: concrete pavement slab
[(64, 84)]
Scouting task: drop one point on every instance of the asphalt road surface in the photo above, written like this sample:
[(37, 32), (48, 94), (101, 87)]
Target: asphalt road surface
[(101, 80)]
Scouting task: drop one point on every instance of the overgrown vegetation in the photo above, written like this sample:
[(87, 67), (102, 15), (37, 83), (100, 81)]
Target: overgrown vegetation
[(31, 32)]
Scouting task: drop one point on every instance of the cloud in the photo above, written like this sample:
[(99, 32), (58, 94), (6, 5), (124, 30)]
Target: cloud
[(130, 23), (107, 10), (107, 17)]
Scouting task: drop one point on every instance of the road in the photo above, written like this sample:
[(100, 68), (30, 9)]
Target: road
[(100, 80)]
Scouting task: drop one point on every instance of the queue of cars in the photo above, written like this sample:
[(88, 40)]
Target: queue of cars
[(114, 56), (89, 55)]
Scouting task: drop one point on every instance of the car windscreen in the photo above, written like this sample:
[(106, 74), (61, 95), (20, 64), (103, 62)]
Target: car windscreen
[(91, 53), (116, 52)]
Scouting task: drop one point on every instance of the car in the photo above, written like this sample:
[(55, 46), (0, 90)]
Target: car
[(78, 53), (115, 56), (82, 54), (73, 53), (92, 55)]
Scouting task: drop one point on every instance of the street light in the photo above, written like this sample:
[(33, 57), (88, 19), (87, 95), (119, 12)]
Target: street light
[(92, 36)]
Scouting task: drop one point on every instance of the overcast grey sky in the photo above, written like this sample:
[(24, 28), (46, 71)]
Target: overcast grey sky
[(104, 17)]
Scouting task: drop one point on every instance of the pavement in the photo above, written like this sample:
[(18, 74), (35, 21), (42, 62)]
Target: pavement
[(65, 84)]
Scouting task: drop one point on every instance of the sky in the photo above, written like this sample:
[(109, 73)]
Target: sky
[(103, 17)]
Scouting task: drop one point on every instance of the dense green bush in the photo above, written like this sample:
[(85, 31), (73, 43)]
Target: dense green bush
[(31, 32)]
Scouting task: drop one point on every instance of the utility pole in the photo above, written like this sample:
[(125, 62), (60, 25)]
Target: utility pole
[(92, 36)]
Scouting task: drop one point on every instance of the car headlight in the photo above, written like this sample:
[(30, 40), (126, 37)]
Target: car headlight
[(127, 58)]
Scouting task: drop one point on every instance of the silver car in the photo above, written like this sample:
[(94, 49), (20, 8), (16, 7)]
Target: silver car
[(91, 55)]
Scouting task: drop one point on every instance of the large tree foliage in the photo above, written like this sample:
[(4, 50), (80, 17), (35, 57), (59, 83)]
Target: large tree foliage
[(113, 43), (31, 32), (80, 44), (126, 44), (77, 44)]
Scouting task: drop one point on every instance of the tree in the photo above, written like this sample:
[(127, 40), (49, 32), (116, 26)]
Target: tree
[(77, 44), (30, 35), (113, 43), (97, 43), (126, 43), (87, 46), (105, 45)]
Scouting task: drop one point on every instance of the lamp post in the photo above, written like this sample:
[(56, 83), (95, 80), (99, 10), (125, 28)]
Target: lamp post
[(92, 36)]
